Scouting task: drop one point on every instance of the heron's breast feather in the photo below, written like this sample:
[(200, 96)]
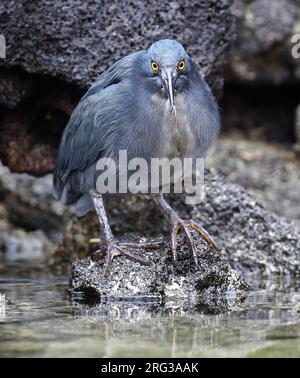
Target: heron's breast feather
[(178, 139)]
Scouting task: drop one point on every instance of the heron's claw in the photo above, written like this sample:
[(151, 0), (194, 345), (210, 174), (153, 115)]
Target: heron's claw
[(115, 248), (179, 224)]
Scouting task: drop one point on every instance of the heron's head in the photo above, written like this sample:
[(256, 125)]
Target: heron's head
[(167, 64)]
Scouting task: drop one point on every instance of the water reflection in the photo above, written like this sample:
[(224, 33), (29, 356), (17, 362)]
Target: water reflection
[(144, 309), (40, 320)]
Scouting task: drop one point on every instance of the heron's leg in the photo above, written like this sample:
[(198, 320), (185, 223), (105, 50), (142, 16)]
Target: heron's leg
[(178, 224), (114, 248)]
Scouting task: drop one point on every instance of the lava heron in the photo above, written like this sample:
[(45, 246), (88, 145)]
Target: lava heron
[(152, 103)]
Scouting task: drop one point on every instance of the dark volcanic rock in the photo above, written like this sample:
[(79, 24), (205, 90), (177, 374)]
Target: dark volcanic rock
[(31, 130), (29, 204), (263, 113), (271, 173), (19, 150), (29, 217), (13, 88), (213, 282), (262, 53), (263, 75), (254, 239), (73, 41), (77, 40)]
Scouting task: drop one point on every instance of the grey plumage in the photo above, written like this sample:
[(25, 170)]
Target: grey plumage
[(128, 109)]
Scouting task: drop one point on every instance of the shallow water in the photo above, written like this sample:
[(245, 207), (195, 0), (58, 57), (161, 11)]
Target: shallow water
[(38, 319)]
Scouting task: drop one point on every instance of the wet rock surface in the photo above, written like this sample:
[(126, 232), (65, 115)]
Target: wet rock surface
[(213, 284), (254, 241), (265, 324)]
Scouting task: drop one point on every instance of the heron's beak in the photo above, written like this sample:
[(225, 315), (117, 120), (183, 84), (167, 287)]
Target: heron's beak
[(169, 83)]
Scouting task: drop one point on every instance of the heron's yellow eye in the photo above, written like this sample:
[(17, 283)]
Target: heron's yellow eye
[(154, 66), (181, 65)]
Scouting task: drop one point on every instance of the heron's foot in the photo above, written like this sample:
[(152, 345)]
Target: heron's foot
[(115, 248), (179, 224)]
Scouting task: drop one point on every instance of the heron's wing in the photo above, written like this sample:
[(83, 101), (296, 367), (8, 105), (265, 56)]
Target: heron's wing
[(118, 71), (83, 140), (202, 111)]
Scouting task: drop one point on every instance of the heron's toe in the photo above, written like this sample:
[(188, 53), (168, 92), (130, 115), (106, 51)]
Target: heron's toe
[(185, 226), (115, 249)]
